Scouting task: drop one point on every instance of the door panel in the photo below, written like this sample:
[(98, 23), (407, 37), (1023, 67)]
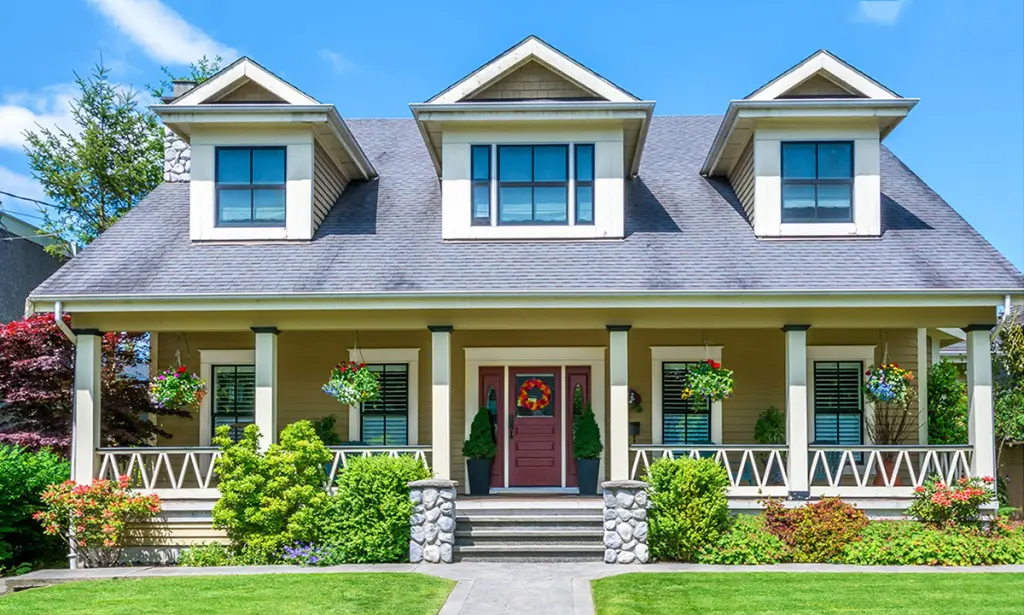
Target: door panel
[(492, 397), (577, 378), (536, 420)]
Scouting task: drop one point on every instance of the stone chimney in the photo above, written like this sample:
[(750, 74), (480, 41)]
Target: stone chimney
[(177, 158), (181, 86)]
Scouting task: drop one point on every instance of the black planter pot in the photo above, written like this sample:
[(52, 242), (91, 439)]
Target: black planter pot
[(479, 476), (586, 475)]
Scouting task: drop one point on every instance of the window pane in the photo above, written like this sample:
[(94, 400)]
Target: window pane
[(797, 202), (268, 205), (233, 166), (481, 201), (584, 205), (585, 163), (516, 204), (550, 163), (514, 163), (268, 166), (798, 161), (481, 162), (234, 205), (550, 204), (834, 160), (834, 203)]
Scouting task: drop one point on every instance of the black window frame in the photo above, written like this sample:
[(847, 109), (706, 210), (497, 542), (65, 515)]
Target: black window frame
[(814, 182), (532, 184), (215, 373), (839, 410), (690, 406), (384, 402), (250, 187), (476, 183), (584, 184)]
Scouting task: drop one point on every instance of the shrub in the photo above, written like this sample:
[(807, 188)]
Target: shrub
[(815, 533), (274, 499), (770, 427), (23, 477), (34, 442), (947, 404), (937, 503), (324, 428), (480, 444), (746, 543), (688, 507), (102, 514), (906, 543), (586, 436), (206, 554), (368, 521)]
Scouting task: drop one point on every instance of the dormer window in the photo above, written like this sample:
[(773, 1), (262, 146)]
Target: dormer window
[(817, 182), (250, 186)]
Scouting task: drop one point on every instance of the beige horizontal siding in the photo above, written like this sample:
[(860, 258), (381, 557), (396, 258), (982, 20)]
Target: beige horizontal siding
[(328, 184), (742, 180), (533, 81), (251, 92)]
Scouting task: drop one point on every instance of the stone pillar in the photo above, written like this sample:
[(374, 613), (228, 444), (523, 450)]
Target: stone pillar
[(433, 521), (266, 385), (618, 402), (625, 522), (797, 411), (177, 158), (441, 397), (85, 434), (981, 419)]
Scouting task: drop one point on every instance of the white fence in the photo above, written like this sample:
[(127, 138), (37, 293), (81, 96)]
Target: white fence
[(892, 467), (342, 454), (752, 469)]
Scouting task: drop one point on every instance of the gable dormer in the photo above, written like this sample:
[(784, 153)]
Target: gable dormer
[(266, 161), (802, 151), (534, 145)]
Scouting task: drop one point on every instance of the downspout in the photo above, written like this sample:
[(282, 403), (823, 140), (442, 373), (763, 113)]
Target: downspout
[(58, 319), (1002, 319)]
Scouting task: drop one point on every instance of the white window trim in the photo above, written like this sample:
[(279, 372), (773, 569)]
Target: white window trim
[(570, 184), (207, 359), (865, 354), (409, 356), (678, 354)]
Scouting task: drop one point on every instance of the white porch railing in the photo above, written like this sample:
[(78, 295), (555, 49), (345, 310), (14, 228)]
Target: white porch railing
[(753, 469), (161, 467), (897, 469), (343, 453)]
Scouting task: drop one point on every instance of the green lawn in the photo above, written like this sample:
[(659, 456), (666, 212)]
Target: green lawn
[(810, 593), (277, 594)]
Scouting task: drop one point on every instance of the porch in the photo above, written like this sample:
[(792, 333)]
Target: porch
[(444, 373)]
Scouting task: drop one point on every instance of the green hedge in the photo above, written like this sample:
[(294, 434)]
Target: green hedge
[(23, 476), (905, 543), (688, 508), (746, 543)]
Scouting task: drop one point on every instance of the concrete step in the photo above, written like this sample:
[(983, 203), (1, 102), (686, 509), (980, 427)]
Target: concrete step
[(529, 536), (529, 519), (515, 552)]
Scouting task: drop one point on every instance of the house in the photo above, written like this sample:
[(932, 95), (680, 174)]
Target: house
[(535, 221), (24, 264)]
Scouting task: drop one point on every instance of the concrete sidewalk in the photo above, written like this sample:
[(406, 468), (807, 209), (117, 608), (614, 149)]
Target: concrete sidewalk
[(486, 588)]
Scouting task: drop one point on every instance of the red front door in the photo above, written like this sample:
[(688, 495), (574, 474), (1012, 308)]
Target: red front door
[(535, 427)]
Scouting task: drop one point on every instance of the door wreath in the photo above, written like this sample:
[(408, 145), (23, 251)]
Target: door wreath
[(534, 405)]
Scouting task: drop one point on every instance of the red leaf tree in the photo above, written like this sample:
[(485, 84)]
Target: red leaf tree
[(37, 376)]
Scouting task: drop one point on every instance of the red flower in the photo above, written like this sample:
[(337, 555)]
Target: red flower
[(181, 370)]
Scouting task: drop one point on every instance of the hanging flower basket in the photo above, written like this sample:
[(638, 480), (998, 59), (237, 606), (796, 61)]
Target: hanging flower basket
[(352, 383), (888, 383), (177, 388), (708, 381)]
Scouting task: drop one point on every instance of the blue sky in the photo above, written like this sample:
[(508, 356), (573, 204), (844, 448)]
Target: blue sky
[(964, 60)]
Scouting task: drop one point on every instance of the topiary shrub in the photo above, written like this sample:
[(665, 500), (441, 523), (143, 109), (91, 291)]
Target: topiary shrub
[(586, 436), (274, 499), (817, 532), (770, 427), (368, 521), (908, 543), (746, 543), (324, 428), (688, 508), (23, 477), (480, 444)]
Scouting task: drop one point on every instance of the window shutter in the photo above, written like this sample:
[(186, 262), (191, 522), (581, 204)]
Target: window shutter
[(838, 402), (234, 397), (385, 421), (684, 421)]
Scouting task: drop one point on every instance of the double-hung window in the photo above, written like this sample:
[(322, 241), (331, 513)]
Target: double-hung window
[(817, 181), (684, 421), (385, 421), (838, 402), (234, 397), (250, 184)]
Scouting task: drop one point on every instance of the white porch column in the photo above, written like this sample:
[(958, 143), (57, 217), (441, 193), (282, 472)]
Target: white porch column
[(441, 400), (981, 420), (922, 386), (266, 384), (618, 402), (936, 357), (797, 414), (85, 429)]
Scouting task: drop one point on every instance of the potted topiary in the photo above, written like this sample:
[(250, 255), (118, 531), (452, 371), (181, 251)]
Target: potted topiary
[(586, 445), (479, 450), (770, 428)]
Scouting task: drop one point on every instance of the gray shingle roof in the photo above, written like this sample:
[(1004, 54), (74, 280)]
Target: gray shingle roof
[(684, 232)]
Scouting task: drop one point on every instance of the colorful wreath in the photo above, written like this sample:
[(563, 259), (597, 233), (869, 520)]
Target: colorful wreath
[(531, 404)]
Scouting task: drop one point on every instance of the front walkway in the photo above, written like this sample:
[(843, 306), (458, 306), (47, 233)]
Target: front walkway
[(485, 588)]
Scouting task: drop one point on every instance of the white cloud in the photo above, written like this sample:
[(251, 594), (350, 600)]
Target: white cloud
[(28, 111), (338, 62), (885, 12), (22, 185), (161, 32)]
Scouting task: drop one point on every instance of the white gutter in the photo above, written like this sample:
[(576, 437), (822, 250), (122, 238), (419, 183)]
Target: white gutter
[(1005, 317), (58, 319), (543, 105)]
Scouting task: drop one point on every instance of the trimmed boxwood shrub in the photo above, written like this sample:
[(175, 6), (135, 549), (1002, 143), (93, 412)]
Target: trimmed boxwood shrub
[(745, 543), (688, 508), (906, 543), (368, 521), (23, 477), (817, 532)]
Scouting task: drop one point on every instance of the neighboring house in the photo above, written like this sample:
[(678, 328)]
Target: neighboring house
[(536, 221), (24, 264)]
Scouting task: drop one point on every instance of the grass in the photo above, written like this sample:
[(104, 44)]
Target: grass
[(807, 593), (280, 594)]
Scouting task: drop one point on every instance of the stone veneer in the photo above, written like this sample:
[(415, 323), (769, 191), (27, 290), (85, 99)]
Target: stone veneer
[(625, 522), (432, 521), (177, 158)]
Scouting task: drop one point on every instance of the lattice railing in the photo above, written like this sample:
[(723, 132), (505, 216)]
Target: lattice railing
[(886, 466), (757, 466), (161, 467), (343, 453)]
